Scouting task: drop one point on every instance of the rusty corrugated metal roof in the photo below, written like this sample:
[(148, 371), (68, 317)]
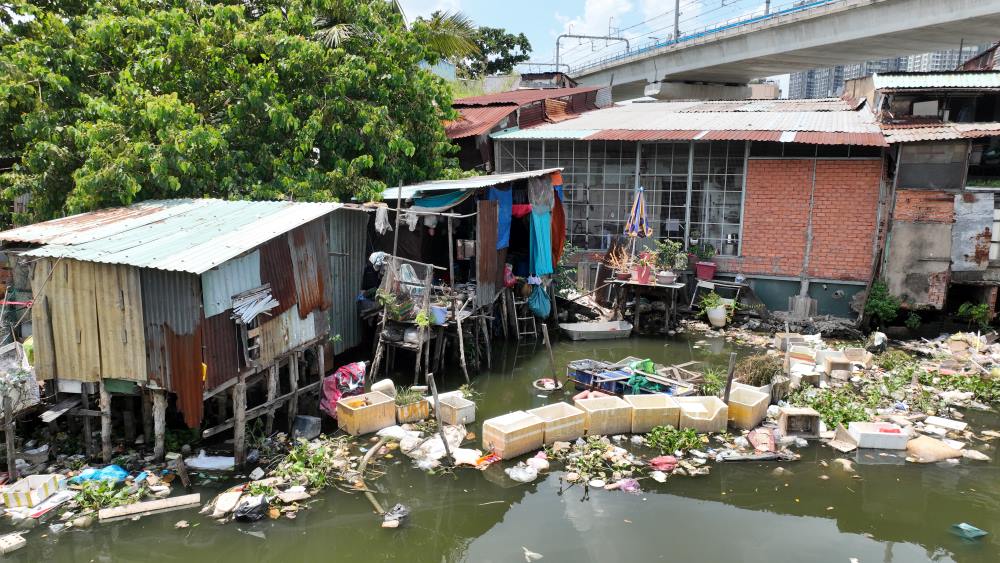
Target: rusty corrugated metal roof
[(818, 104), (521, 97), (185, 235), (477, 120), (945, 132), (857, 139)]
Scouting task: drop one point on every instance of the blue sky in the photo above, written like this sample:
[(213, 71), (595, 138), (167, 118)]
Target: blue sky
[(543, 20)]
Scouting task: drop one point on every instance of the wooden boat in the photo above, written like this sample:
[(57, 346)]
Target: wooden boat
[(620, 379), (597, 330)]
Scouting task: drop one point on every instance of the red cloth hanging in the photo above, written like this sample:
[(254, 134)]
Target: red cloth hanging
[(558, 231), (519, 210)]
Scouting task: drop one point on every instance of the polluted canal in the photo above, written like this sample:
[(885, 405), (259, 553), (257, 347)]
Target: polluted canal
[(813, 509)]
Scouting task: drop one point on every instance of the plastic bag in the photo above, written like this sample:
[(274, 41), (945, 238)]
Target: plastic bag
[(251, 509), (522, 473), (210, 462), (508, 276), (110, 473), (539, 303)]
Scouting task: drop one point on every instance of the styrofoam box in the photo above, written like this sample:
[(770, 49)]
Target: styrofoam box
[(703, 414), (606, 416), (513, 434), (747, 407), (457, 410), (649, 411), (868, 435), (563, 422), (362, 414)]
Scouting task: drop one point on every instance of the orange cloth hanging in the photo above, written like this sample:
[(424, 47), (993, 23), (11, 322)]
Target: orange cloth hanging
[(558, 230)]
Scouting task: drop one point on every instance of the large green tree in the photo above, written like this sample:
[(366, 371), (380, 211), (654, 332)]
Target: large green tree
[(499, 53), (107, 102)]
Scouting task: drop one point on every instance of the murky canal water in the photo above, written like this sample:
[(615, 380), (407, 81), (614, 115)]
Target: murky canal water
[(740, 512)]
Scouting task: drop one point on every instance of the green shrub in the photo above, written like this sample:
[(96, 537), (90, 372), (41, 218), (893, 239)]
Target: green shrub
[(975, 314), (759, 370), (913, 321), (891, 360), (881, 305)]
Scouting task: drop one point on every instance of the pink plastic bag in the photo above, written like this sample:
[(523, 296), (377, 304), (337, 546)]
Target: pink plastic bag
[(347, 381)]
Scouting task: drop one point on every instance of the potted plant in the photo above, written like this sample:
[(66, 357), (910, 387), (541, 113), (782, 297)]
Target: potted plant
[(667, 253), (619, 261), (713, 307), (694, 237), (411, 406), (705, 268), (644, 267)]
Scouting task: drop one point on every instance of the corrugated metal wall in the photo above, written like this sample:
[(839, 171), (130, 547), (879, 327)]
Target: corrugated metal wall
[(347, 266), (171, 303), (972, 232), (119, 310), (311, 265), (220, 284), (486, 253), (287, 331), (275, 266), (41, 323), (73, 308), (223, 353), (185, 359)]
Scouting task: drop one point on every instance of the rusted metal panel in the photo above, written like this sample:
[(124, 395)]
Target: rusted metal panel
[(311, 266), (477, 120), (276, 270), (521, 97), (347, 267), (972, 232), (486, 252), (121, 328), (220, 284), (643, 135), (171, 304), (223, 355), (41, 321), (287, 331), (73, 311), (837, 138), (184, 356)]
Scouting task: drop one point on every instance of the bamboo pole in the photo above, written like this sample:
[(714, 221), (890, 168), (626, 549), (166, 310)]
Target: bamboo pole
[(461, 339), (272, 393), (88, 443), (293, 381), (240, 422), (8, 430), (105, 402), (729, 376), (159, 423), (552, 359)]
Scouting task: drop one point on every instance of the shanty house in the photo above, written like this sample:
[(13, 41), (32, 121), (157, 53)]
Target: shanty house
[(189, 295)]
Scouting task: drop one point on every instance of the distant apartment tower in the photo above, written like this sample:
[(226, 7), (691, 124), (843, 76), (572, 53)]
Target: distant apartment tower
[(829, 82)]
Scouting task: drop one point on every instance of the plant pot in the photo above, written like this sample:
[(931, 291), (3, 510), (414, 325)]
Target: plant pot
[(643, 274), (623, 276), (666, 278), (705, 270), (717, 316), (413, 412)]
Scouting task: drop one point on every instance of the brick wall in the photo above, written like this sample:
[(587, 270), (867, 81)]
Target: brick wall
[(776, 215), (924, 206)]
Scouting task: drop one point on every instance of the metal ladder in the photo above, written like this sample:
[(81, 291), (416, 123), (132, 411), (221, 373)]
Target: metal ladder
[(525, 324)]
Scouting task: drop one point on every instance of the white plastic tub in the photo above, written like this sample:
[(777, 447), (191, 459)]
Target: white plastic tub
[(879, 435)]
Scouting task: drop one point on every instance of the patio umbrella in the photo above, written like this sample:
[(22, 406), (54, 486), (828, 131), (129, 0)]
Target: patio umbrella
[(636, 225)]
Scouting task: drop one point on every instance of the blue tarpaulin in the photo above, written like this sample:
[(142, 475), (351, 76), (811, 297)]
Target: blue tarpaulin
[(443, 201), (505, 202), (541, 243)]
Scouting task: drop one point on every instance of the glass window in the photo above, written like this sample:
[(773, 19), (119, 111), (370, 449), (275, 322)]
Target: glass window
[(717, 195)]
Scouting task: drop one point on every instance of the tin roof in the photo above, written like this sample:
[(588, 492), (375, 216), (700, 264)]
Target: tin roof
[(183, 235), (476, 120), (942, 132), (933, 80), (521, 97), (826, 120), (472, 183)]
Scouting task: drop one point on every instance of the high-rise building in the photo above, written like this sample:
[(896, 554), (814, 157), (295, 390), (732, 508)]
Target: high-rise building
[(827, 82)]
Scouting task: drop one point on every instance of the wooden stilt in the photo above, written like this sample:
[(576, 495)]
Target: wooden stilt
[(552, 358), (486, 341), (437, 416), (729, 376), (320, 361), (240, 421), (272, 393), (128, 421), (159, 423), (147, 417), (105, 403), (88, 438), (439, 350), (461, 340), (8, 430), (293, 380)]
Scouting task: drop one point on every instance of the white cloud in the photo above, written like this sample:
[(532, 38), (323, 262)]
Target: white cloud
[(596, 16), (417, 8)]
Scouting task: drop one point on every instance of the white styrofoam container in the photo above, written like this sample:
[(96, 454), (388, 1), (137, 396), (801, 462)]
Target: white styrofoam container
[(868, 435)]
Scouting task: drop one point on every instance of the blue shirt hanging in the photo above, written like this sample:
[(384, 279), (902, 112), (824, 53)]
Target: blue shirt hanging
[(541, 242), (503, 195)]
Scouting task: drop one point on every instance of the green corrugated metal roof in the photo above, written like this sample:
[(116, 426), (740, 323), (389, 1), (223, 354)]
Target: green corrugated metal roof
[(927, 80), (184, 235), (461, 184)]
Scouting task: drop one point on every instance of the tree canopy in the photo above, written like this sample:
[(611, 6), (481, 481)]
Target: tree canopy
[(107, 102), (499, 53)]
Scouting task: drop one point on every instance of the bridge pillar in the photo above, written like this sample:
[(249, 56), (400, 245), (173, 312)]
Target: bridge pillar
[(697, 91)]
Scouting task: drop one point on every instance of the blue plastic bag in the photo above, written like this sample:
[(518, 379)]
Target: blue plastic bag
[(111, 473), (539, 303)]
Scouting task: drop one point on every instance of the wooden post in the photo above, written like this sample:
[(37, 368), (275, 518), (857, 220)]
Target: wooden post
[(272, 394), (88, 442), (293, 381), (486, 341), (461, 340), (147, 417), (159, 423), (552, 359), (451, 256), (729, 376), (240, 421), (105, 402), (321, 361), (437, 413), (8, 430)]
